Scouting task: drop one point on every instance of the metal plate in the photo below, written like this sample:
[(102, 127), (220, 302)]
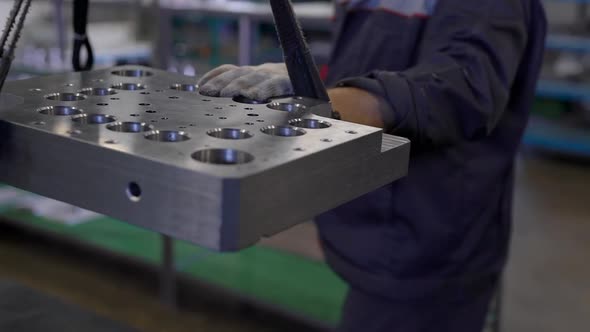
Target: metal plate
[(144, 146)]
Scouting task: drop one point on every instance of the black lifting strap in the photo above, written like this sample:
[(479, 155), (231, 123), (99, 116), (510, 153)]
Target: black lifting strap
[(80, 37)]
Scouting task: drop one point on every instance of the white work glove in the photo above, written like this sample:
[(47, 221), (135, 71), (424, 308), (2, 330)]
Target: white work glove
[(254, 82)]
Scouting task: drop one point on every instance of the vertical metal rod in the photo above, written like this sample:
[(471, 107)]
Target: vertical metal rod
[(497, 323), (58, 6), (168, 273), (245, 40)]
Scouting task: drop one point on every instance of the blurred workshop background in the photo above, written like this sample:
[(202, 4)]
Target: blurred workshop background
[(148, 282)]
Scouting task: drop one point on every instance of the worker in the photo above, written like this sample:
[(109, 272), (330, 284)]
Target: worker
[(457, 78)]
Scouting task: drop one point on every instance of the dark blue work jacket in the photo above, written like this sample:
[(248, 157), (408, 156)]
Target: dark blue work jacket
[(460, 78)]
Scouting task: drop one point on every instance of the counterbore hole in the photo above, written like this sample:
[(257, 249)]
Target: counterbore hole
[(98, 91), (310, 123), (128, 86), (129, 127), (167, 136), (185, 87), (286, 107), (133, 192), (222, 156), (93, 119), (245, 100), (229, 133), (66, 96), (60, 110), (132, 73), (283, 131)]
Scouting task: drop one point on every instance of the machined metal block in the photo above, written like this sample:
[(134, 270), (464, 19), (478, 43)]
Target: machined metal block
[(143, 146)]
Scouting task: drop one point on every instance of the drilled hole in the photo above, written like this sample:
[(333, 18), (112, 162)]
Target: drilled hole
[(283, 131), (93, 119), (102, 104), (310, 123), (144, 104), (229, 133), (167, 136), (151, 111), (185, 87), (60, 110), (98, 91), (66, 96), (132, 73), (128, 86), (129, 127), (223, 156), (134, 115), (173, 97), (253, 114), (133, 192)]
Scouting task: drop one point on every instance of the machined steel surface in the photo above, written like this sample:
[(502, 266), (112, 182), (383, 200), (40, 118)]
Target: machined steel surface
[(143, 146)]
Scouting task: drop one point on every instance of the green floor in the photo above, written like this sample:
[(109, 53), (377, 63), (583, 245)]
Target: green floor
[(293, 283)]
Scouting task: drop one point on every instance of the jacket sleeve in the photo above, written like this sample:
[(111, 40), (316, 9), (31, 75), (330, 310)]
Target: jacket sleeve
[(460, 86)]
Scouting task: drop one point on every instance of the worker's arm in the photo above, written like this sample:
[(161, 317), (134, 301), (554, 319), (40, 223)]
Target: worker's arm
[(462, 81), (360, 106)]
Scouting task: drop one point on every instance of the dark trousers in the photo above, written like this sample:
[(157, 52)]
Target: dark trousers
[(463, 312)]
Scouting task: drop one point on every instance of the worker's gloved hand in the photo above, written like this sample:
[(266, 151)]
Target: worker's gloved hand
[(254, 82)]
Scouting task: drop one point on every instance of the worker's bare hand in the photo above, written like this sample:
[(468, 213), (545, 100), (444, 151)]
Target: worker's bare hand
[(255, 82)]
